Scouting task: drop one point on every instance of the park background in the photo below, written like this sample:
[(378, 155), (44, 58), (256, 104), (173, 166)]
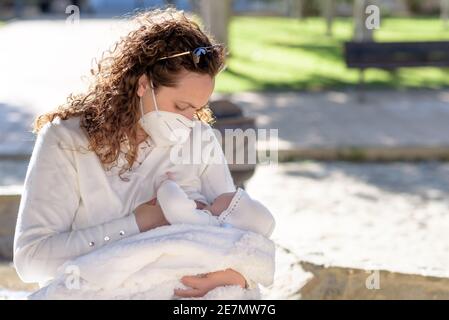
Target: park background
[(361, 192)]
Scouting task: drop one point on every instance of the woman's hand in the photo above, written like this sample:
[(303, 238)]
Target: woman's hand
[(202, 284), (149, 215)]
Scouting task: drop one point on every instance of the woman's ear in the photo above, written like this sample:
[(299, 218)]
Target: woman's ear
[(143, 85)]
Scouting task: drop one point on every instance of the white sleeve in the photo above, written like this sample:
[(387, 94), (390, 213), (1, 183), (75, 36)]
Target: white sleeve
[(178, 208), (44, 238), (215, 175)]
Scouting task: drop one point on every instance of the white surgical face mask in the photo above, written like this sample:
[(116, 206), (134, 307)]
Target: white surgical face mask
[(165, 128)]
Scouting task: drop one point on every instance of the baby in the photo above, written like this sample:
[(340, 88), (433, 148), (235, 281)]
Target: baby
[(236, 209)]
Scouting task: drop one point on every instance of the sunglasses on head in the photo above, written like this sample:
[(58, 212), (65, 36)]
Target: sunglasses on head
[(196, 53)]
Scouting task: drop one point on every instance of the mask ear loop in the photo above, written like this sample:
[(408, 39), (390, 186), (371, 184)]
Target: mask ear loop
[(141, 107), (154, 101), (154, 96)]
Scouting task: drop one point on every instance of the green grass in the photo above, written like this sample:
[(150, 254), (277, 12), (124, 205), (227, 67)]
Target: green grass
[(272, 53)]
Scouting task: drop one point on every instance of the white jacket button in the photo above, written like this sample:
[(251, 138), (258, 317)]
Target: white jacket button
[(107, 238), (122, 233), (91, 244)]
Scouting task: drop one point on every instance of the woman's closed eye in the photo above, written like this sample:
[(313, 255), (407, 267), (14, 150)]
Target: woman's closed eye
[(186, 111), (186, 105), (179, 108)]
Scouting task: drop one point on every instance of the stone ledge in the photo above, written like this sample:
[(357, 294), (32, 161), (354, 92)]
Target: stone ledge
[(331, 282), (364, 153), (9, 207)]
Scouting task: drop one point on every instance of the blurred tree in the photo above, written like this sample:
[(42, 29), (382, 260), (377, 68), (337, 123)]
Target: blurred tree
[(216, 15), (328, 12), (444, 7), (414, 5), (311, 8), (44, 6), (18, 8), (296, 8), (361, 32)]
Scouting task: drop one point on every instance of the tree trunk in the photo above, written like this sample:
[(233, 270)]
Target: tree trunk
[(296, 8), (18, 8), (328, 12), (444, 7), (361, 32), (216, 16)]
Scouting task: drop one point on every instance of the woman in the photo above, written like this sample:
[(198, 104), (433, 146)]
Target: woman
[(84, 186)]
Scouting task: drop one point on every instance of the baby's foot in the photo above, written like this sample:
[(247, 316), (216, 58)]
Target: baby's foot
[(170, 175), (167, 176)]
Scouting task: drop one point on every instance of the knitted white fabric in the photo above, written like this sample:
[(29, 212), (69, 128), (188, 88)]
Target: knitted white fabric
[(149, 265), (249, 214)]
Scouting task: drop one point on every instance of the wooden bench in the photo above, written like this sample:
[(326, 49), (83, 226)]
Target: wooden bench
[(393, 55)]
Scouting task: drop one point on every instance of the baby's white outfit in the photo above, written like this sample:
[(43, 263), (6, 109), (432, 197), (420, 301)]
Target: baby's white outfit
[(243, 212)]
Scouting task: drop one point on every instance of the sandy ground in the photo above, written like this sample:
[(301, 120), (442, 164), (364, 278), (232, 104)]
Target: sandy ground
[(391, 217), (336, 119)]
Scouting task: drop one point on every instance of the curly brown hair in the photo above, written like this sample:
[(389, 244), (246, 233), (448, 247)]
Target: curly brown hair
[(109, 109)]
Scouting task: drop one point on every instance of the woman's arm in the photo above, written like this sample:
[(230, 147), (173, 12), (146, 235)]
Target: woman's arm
[(149, 215), (44, 238), (215, 175)]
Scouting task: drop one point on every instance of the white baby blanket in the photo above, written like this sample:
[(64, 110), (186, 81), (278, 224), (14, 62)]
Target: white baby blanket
[(150, 264)]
